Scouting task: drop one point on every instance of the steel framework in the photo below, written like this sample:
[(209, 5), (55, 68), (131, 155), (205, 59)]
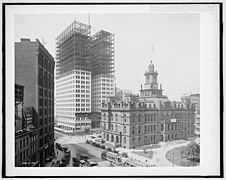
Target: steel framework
[(102, 53), (73, 48)]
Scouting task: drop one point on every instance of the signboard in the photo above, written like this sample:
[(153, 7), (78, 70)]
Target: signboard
[(173, 120)]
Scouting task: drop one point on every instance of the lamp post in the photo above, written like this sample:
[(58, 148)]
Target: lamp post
[(181, 157), (173, 159)]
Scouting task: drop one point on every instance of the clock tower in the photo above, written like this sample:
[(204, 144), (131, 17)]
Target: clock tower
[(151, 89)]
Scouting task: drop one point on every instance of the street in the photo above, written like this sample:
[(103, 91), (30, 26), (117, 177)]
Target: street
[(78, 146)]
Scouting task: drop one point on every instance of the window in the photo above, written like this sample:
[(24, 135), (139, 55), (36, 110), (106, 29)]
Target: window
[(139, 129), (116, 117), (104, 126), (162, 127), (124, 129), (133, 130), (139, 118)]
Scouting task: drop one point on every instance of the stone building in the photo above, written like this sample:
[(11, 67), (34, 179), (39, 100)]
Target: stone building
[(26, 133), (152, 120), (34, 69)]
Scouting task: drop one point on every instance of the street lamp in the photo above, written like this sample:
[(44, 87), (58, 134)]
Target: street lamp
[(173, 159)]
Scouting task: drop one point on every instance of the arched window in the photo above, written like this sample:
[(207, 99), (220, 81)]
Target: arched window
[(116, 117), (154, 127), (151, 128), (124, 129), (112, 138), (117, 139), (148, 128), (112, 127), (139, 139), (168, 127), (116, 128), (107, 137)]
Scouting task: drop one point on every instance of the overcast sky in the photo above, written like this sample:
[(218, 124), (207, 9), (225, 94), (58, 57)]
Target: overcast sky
[(174, 36)]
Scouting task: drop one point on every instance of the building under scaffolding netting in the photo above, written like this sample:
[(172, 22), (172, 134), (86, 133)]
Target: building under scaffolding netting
[(73, 48), (102, 54)]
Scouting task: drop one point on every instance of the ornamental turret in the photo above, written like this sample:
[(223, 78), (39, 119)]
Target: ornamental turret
[(151, 88)]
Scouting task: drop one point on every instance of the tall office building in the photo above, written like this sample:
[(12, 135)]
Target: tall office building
[(84, 76), (34, 69), (73, 77), (102, 51)]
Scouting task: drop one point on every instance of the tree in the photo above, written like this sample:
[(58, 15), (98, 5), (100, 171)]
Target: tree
[(192, 152)]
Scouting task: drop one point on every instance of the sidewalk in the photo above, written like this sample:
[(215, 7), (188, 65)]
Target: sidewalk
[(59, 156), (160, 154)]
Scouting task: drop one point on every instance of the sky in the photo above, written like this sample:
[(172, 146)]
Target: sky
[(174, 37)]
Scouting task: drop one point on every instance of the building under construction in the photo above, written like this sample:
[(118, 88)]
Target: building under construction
[(102, 52), (73, 48), (83, 61)]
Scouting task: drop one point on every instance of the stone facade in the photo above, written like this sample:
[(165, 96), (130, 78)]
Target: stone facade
[(151, 120)]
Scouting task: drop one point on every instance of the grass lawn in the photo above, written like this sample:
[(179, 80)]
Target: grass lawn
[(175, 155)]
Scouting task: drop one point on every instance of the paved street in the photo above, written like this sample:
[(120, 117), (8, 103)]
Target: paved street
[(78, 146)]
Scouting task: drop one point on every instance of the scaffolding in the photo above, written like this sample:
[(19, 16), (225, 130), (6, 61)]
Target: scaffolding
[(73, 48), (102, 54)]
